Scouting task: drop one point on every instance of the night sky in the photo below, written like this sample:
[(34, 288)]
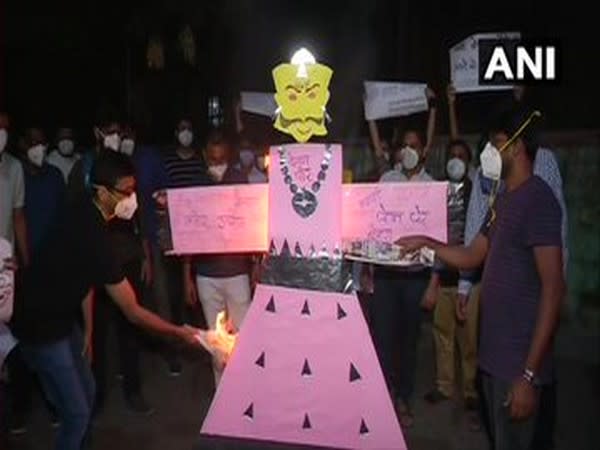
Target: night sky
[(64, 59)]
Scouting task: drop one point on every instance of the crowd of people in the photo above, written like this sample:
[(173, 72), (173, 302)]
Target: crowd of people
[(88, 233)]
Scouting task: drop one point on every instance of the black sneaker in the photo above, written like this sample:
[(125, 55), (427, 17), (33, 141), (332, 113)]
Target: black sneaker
[(175, 368), (137, 405), (435, 396)]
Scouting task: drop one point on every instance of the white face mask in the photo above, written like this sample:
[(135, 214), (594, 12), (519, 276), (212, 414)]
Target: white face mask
[(37, 154), (410, 158), (246, 158), (456, 168), (126, 208), (491, 162), (261, 162), (185, 138), (112, 141), (217, 171), (3, 139), (127, 146), (66, 147)]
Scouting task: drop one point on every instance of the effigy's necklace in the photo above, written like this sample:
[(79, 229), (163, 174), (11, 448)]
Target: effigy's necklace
[(304, 199)]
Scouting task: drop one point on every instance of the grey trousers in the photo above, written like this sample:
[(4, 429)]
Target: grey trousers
[(506, 434)]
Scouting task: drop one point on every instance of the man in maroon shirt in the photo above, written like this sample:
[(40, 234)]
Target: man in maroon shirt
[(522, 286)]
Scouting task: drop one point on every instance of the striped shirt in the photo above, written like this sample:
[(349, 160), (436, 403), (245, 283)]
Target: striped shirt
[(185, 172), (546, 168)]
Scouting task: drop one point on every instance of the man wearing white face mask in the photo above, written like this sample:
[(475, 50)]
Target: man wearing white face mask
[(395, 309), (249, 161), (64, 157), (523, 284), (133, 253), (44, 190), (219, 282), (107, 132), (442, 296), (47, 322), (182, 166), (44, 208)]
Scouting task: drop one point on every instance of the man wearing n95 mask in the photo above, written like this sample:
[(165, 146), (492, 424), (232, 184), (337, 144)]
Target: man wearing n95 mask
[(64, 156)]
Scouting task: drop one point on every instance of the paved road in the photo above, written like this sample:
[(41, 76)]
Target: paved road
[(182, 402)]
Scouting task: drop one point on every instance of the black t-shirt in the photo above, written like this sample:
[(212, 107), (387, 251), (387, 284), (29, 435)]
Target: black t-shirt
[(53, 292)]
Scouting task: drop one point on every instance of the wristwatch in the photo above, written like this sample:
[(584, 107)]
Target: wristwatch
[(531, 378)]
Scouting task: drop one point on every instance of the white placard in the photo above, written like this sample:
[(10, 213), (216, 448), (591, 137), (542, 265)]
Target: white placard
[(262, 103), (7, 282), (464, 62), (384, 99)]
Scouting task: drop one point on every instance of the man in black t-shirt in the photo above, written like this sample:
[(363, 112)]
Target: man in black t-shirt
[(46, 321)]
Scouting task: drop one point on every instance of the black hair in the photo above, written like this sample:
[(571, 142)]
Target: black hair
[(107, 115), (218, 136), (460, 143), (110, 167), (509, 123)]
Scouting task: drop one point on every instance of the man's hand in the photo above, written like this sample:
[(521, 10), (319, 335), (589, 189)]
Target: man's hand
[(189, 291), (412, 244), (430, 93), (522, 399), (431, 295), (451, 93), (190, 335), (461, 307)]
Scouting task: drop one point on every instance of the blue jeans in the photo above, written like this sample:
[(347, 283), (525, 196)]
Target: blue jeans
[(68, 384)]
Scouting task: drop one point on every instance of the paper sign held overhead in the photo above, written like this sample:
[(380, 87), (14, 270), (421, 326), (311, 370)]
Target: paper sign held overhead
[(464, 63), (389, 99), (261, 103)]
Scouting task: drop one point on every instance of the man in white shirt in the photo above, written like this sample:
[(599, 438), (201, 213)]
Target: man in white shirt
[(12, 197)]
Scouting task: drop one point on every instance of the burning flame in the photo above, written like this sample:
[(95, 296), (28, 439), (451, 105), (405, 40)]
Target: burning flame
[(220, 342)]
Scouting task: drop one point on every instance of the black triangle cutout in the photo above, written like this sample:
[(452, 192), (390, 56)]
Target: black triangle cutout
[(261, 360), (272, 248), (249, 411), (305, 308), (354, 375), (340, 312), (363, 427), (285, 250), (297, 250), (271, 305), (306, 369), (306, 424)]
